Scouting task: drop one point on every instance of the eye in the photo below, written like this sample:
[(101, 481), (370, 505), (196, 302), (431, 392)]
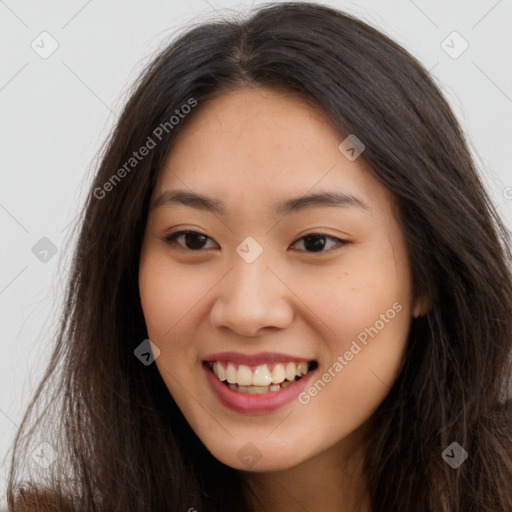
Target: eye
[(194, 241), (317, 241), (192, 238)]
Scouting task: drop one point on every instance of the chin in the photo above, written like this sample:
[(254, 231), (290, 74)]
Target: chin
[(253, 457)]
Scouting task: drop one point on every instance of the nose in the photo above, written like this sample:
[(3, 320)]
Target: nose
[(252, 297)]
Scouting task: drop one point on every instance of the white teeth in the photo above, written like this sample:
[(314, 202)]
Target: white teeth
[(278, 374), (261, 376), (245, 377), (256, 390), (218, 369), (231, 373), (291, 371), (303, 366)]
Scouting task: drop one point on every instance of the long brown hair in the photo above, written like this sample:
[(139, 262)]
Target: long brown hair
[(121, 442)]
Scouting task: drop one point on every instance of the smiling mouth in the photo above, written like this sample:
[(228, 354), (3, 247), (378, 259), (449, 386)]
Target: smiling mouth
[(265, 378)]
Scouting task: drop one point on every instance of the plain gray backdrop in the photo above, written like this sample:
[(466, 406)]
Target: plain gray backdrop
[(65, 68)]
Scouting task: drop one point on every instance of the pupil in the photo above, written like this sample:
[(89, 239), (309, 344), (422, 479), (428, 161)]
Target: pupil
[(315, 245), (188, 236)]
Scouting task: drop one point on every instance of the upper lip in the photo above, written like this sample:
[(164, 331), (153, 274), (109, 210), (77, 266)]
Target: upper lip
[(254, 359)]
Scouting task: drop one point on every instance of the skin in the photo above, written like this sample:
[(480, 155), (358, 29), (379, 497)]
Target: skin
[(252, 148)]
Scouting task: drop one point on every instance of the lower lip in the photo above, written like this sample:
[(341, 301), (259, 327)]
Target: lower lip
[(254, 404)]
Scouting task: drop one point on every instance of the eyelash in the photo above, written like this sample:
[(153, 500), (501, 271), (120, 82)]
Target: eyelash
[(171, 239)]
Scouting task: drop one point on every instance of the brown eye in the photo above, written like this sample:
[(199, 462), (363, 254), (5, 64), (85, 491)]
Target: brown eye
[(316, 242), (194, 241)]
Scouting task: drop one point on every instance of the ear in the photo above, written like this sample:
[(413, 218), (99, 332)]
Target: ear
[(422, 306)]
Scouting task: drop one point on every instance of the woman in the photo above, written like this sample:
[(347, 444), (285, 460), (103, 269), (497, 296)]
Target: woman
[(215, 355)]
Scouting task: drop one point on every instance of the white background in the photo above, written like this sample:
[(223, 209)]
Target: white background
[(55, 112)]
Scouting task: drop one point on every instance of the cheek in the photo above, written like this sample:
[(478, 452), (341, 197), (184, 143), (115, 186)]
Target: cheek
[(352, 300), (168, 298), (166, 295), (365, 308)]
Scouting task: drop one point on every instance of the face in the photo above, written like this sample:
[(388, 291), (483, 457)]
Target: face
[(268, 288)]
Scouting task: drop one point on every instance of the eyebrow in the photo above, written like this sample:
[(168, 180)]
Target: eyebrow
[(296, 204)]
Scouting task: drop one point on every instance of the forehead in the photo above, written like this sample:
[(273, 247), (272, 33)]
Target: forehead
[(265, 144)]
